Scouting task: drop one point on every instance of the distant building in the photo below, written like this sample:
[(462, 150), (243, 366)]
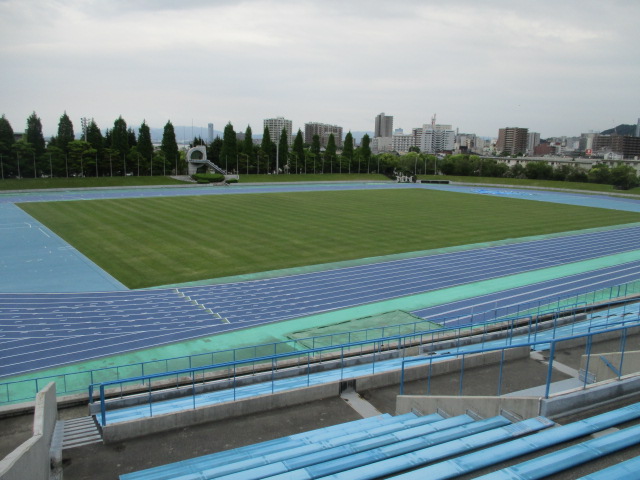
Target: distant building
[(384, 125), (512, 140), (624, 145), (210, 133), (436, 138), (323, 131), (533, 140), (276, 125), (381, 144), (468, 143), (401, 143), (544, 149), (586, 143)]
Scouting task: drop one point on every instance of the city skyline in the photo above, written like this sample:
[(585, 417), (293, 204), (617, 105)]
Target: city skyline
[(562, 69)]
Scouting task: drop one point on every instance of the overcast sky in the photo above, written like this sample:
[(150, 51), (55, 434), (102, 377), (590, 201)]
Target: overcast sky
[(556, 67)]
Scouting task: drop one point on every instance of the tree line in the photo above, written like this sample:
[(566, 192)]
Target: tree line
[(122, 151), (266, 157), (620, 176)]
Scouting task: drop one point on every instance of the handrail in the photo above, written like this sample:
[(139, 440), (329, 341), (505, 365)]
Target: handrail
[(551, 342), (404, 362), (63, 380)]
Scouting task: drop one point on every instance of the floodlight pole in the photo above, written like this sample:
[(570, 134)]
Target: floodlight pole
[(277, 158)]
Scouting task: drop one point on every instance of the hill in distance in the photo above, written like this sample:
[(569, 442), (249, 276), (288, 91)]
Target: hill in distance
[(622, 129)]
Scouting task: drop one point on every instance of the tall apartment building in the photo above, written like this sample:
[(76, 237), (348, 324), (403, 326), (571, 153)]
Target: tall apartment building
[(381, 144), (401, 142), (323, 131), (533, 140), (436, 138), (210, 133), (275, 126), (384, 125), (512, 140)]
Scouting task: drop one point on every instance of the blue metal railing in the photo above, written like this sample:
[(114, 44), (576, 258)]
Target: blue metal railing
[(399, 341), (75, 382), (552, 347)]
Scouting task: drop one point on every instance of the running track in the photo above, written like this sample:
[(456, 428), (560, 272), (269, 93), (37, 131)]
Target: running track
[(43, 330)]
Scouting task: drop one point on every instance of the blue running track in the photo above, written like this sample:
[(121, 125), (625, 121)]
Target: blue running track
[(43, 330)]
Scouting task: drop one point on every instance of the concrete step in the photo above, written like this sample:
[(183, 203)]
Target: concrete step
[(79, 431)]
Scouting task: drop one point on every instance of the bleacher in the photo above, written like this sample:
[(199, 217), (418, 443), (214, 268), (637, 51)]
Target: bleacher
[(416, 447)]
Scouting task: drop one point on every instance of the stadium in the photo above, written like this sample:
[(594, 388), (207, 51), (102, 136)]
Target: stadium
[(321, 330)]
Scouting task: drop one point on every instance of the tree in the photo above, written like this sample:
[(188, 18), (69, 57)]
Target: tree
[(268, 148), (24, 153), (6, 136), (169, 146), (347, 149), (79, 151), (330, 152), (600, 173), (133, 142), (145, 147), (34, 134), (120, 136), (229, 147), (624, 177), (283, 148), (298, 151), (214, 149), (94, 136), (247, 145), (315, 149), (538, 171), (65, 132), (365, 151)]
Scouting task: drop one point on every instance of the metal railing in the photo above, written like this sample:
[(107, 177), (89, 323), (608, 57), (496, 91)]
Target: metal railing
[(585, 377), (76, 382), (191, 378)]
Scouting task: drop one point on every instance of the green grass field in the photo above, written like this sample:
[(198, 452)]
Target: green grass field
[(157, 241)]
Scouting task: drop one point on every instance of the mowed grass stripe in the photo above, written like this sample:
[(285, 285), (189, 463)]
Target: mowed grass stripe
[(156, 241)]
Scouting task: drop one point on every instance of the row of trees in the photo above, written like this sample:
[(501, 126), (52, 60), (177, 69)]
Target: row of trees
[(119, 152), (247, 157), (620, 176)]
